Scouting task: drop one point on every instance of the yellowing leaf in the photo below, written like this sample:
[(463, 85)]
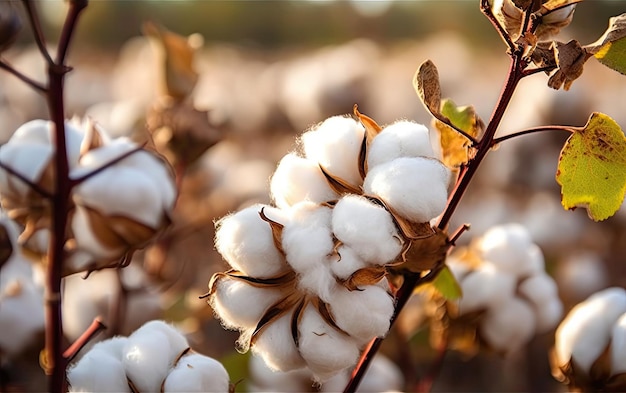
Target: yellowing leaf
[(592, 168), (447, 285), (455, 146), (610, 49)]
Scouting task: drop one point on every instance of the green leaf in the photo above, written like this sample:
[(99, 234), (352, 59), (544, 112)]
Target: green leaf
[(447, 285), (455, 146), (592, 168), (610, 49)]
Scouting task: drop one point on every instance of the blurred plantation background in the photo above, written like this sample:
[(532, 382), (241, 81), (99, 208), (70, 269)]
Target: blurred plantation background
[(268, 70)]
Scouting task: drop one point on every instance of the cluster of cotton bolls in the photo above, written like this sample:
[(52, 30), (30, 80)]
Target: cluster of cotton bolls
[(590, 344), (123, 194), (505, 288), (308, 286), (21, 294), (154, 358), (382, 376)]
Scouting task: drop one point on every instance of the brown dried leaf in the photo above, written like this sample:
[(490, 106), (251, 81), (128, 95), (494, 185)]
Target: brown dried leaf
[(277, 230), (553, 5), (571, 58), (426, 84), (615, 32), (339, 185), (364, 276), (425, 253)]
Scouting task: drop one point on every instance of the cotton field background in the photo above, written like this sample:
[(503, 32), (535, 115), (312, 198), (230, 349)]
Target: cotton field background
[(266, 72)]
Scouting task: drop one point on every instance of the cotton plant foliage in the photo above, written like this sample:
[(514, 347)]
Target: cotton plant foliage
[(122, 194), (308, 283), (155, 357), (507, 295)]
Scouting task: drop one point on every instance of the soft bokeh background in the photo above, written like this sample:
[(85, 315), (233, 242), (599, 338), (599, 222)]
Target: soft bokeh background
[(268, 70)]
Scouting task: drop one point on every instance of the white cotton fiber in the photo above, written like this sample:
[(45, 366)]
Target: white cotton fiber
[(511, 248), (326, 351), (335, 144), (147, 359), (176, 340), (197, 373), (363, 313), (548, 314), (27, 160), (307, 239), (618, 346), (585, 332), (346, 262), (297, 179), (509, 326), (98, 371), (113, 346), (247, 244), (539, 289), (318, 280), (417, 187), (400, 139), (367, 228), (276, 346), (240, 305), (485, 288)]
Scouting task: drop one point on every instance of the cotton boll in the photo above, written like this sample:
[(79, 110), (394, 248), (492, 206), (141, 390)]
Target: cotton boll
[(618, 346), (585, 331), (400, 139), (298, 179), (307, 240), (335, 144), (365, 313), (485, 288), (247, 244), (325, 350), (147, 359), (346, 262), (276, 346), (241, 305), (509, 326), (197, 373), (98, 371), (367, 228), (415, 187), (548, 314)]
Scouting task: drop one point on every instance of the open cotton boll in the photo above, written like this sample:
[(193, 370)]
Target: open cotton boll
[(307, 239), (509, 326), (298, 179), (585, 332), (326, 351), (400, 139), (276, 346), (335, 144), (241, 305), (98, 371), (246, 242), (197, 373), (485, 288), (346, 262), (416, 187), (618, 346), (147, 359), (365, 313), (367, 228), (511, 248)]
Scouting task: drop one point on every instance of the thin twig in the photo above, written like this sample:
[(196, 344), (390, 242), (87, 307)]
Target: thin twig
[(533, 71), (33, 18), (96, 327), (35, 187), (76, 6), (101, 168), (30, 82), (457, 234), (485, 7), (532, 131)]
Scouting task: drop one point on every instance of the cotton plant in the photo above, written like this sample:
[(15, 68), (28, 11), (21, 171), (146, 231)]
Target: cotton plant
[(590, 344), (122, 195), (307, 285), (508, 297), (156, 357)]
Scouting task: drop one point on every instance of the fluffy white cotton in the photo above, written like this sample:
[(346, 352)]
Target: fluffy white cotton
[(484, 288), (197, 373), (325, 350), (415, 187), (585, 332), (98, 371), (247, 244), (177, 342), (92, 246), (511, 249), (113, 346), (363, 313), (298, 179), (335, 144), (400, 139), (345, 262), (618, 346), (509, 326), (241, 305), (318, 280), (538, 289), (367, 228), (548, 314), (147, 359), (276, 346), (27, 160), (308, 239)]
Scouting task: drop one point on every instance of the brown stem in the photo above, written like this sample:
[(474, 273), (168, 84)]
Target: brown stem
[(485, 7), (30, 82), (96, 327), (35, 187), (33, 18)]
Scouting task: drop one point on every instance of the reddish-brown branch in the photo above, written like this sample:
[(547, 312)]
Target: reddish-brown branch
[(30, 82), (96, 327)]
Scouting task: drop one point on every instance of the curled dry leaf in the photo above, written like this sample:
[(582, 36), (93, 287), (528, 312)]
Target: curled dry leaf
[(570, 58), (426, 84), (424, 254)]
